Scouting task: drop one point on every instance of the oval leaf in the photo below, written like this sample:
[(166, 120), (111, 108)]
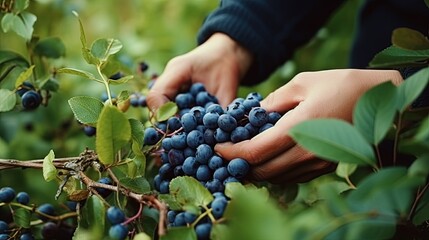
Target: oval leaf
[(24, 76), (409, 39), (166, 111), (103, 48), (77, 72), (22, 217), (410, 89), (51, 47), (375, 111), (7, 100), (137, 185), (189, 192), (86, 109), (113, 132), (344, 170), (334, 140), (49, 170), (420, 167), (398, 57), (9, 56)]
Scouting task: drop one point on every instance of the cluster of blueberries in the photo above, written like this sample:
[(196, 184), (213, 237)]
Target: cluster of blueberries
[(50, 230), (30, 98), (188, 140)]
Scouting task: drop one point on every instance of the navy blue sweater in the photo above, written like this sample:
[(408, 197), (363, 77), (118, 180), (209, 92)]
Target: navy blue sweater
[(273, 29)]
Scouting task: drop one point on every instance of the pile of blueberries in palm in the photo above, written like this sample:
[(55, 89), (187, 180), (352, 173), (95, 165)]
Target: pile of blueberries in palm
[(188, 140)]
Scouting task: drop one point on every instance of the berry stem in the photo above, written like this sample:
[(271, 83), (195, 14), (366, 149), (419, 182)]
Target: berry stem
[(131, 219)]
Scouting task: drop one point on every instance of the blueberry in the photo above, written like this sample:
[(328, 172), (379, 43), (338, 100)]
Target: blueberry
[(239, 134), (189, 122), (47, 209), (201, 128), (185, 100), (179, 140), (89, 130), (219, 195), (190, 166), (258, 116), (4, 236), (24, 88), (3, 226), (250, 103), (178, 171), (115, 215), (265, 127), (180, 219), (215, 108), (194, 139), (164, 187), (116, 76), (176, 157), (72, 205), (162, 126), (221, 135), (171, 215), (189, 152), (273, 117), (166, 144), (23, 198), (230, 179), (218, 206), (118, 232), (221, 174), (151, 136), (227, 122), (255, 95), (157, 181), (164, 157), (215, 162), (50, 230), (203, 231), (251, 129), (31, 100), (203, 154), (189, 217), (238, 168), (196, 88), (166, 171), (198, 113), (134, 100), (142, 101), (209, 137), (173, 124), (102, 191), (203, 173), (7, 194), (143, 66), (26, 236), (203, 98), (210, 120), (236, 110), (214, 185)]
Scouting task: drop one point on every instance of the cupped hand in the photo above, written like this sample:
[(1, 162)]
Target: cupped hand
[(273, 155), (219, 63)]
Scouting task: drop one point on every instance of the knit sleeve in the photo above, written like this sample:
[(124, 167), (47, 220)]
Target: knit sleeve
[(272, 30)]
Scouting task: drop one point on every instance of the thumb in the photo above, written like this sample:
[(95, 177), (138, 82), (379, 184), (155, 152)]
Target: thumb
[(284, 98)]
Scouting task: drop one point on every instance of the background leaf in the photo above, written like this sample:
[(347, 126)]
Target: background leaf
[(51, 47), (103, 48), (113, 132), (77, 72), (7, 100), (410, 89), (86, 109), (344, 170), (398, 57), (375, 111), (409, 39), (334, 140)]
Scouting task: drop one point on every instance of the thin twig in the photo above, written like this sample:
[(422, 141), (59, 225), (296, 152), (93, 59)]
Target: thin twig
[(37, 163), (416, 201)]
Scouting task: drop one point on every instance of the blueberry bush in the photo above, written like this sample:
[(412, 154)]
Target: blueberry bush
[(84, 158)]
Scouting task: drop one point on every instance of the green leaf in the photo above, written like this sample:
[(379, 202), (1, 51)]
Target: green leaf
[(420, 167), (344, 170), (375, 111), (142, 236), (103, 48), (78, 72), (7, 100), (113, 132), (180, 233), (421, 214), (86, 53), (24, 76), (235, 188), (121, 80), (418, 144), (22, 217), (21, 24), (409, 39), (86, 109), (51, 47), (166, 111), (49, 170), (334, 140), (21, 5), (9, 56), (398, 57), (92, 218), (137, 130), (189, 192), (411, 88), (137, 185)]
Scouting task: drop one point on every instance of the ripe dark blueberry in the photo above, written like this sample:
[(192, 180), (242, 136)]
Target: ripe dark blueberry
[(23, 198), (210, 120), (201, 128), (189, 122), (214, 185), (273, 117), (238, 168), (256, 95), (176, 157), (203, 173), (26, 236), (116, 76), (134, 100), (3, 226), (47, 209), (143, 66), (7, 194), (4, 236), (118, 232), (173, 124), (115, 215), (236, 110), (215, 108), (203, 231), (24, 88), (102, 191), (151, 136), (250, 103), (178, 171), (162, 126), (178, 140), (199, 113), (89, 130), (31, 100), (189, 217), (180, 219), (221, 174), (183, 111), (251, 129), (221, 135), (230, 179), (194, 139), (238, 100), (218, 206), (184, 100), (203, 154), (72, 205), (142, 101), (164, 187), (166, 171), (239, 134), (157, 181), (265, 127), (258, 116), (171, 215), (226, 122), (50, 230), (209, 137), (166, 144), (219, 195), (203, 98), (189, 152), (164, 157), (190, 166), (196, 88), (215, 162)]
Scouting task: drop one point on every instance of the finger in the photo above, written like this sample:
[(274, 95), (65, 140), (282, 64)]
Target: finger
[(305, 172), (284, 98)]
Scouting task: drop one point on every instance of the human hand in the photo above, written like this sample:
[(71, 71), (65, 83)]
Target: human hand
[(273, 155), (219, 63)]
